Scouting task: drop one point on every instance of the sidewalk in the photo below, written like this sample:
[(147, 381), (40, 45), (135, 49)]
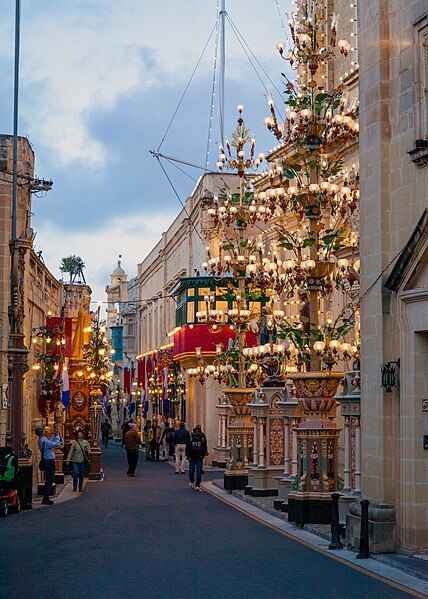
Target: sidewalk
[(64, 493), (407, 573)]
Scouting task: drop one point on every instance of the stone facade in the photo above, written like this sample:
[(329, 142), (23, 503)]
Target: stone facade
[(394, 312), (25, 167), (178, 254), (43, 294), (41, 290)]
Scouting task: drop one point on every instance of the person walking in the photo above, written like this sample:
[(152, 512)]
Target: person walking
[(206, 443), (125, 428), (147, 432), (196, 450), (46, 447), (132, 443), (78, 456), (105, 432), (155, 438), (181, 438), (167, 441)]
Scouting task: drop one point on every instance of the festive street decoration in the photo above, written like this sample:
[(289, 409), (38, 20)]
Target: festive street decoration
[(49, 343), (319, 194), (98, 369)]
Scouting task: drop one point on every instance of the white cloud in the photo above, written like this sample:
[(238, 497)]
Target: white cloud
[(80, 58), (132, 236), (75, 71)]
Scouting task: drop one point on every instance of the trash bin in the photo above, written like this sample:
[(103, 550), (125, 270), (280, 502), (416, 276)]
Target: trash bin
[(24, 485)]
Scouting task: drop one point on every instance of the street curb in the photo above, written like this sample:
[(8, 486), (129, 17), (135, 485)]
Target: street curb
[(66, 494), (371, 567), (393, 560)]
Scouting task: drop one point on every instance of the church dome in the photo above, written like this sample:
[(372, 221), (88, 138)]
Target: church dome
[(118, 271)]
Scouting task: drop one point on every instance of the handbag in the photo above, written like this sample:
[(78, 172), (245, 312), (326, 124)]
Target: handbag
[(42, 463)]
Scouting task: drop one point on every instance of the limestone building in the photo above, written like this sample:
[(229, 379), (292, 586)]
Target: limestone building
[(122, 306), (39, 291), (43, 297), (393, 43), (178, 256)]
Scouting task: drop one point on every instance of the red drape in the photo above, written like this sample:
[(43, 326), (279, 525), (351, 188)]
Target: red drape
[(127, 380)]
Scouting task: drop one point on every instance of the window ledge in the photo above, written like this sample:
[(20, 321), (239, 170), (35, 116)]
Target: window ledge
[(419, 153)]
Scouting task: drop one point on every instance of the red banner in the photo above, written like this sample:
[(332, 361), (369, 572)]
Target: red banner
[(141, 372), (127, 380)]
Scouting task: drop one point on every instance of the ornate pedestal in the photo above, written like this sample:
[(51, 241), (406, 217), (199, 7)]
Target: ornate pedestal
[(59, 459), (95, 472), (268, 462), (241, 439), (292, 414), (221, 452), (350, 409), (317, 440)]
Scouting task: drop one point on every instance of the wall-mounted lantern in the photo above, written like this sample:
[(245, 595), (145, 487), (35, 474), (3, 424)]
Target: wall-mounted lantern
[(388, 371)]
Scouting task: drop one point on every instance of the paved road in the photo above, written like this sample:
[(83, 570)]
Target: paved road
[(152, 537)]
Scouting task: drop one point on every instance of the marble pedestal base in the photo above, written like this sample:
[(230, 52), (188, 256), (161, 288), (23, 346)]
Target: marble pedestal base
[(220, 456), (382, 527), (309, 508), (262, 483), (235, 480)]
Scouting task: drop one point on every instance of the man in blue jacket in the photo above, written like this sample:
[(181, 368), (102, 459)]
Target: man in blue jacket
[(47, 453)]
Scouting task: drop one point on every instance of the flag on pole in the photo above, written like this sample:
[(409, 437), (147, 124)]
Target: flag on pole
[(165, 401), (165, 408), (65, 389), (145, 402)]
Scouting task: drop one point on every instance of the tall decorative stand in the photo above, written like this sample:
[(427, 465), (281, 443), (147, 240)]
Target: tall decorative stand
[(292, 414), (95, 411), (350, 409), (241, 439), (222, 450), (269, 450), (317, 442)]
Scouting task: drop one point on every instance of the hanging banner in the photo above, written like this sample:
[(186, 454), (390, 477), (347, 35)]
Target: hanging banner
[(127, 380)]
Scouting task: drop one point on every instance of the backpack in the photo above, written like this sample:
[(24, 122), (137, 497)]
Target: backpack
[(170, 437)]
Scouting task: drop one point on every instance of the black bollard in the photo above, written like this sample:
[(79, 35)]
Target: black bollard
[(364, 533), (335, 529)]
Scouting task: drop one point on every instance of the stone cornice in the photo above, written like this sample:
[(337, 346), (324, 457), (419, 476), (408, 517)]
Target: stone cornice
[(406, 259)]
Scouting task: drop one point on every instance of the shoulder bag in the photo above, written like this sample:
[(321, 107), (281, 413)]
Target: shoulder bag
[(85, 457)]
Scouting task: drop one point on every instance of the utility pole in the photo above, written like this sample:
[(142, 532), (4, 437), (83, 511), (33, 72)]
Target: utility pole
[(17, 352), (222, 17)]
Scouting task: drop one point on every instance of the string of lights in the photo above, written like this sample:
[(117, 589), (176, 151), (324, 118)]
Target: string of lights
[(282, 23), (214, 83), (243, 43)]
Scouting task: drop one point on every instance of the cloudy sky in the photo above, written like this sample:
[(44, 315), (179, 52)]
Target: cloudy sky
[(100, 81)]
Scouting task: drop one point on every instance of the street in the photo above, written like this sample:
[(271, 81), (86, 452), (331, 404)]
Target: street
[(151, 536)]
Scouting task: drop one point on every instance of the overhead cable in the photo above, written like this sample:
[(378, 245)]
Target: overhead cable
[(186, 88)]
